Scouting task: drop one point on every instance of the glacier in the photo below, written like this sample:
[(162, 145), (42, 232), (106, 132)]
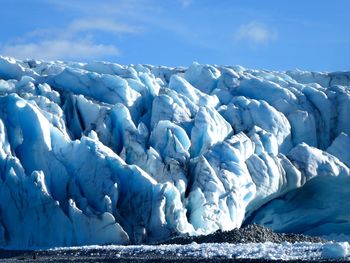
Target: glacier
[(102, 153)]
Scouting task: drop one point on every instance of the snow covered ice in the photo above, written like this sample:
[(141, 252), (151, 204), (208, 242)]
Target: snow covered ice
[(100, 153)]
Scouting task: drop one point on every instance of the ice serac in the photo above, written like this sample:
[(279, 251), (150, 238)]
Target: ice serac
[(317, 207), (100, 153)]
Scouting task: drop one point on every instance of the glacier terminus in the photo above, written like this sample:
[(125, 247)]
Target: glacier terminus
[(101, 153)]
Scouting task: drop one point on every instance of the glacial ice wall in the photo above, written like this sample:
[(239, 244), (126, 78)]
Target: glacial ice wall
[(99, 153)]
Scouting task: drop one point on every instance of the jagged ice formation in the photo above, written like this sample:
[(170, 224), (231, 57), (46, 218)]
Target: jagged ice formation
[(98, 153)]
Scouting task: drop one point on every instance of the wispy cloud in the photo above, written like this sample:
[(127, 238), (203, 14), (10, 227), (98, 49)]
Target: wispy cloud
[(97, 28), (99, 24), (108, 8), (255, 33), (59, 49), (75, 41), (93, 35), (84, 26), (186, 3)]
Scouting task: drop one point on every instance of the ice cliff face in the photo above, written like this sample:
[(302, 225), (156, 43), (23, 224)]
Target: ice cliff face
[(102, 153)]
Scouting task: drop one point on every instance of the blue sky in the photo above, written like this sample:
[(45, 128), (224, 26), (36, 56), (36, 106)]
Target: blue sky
[(269, 34)]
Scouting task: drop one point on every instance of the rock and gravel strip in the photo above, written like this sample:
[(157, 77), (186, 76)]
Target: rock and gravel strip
[(249, 234)]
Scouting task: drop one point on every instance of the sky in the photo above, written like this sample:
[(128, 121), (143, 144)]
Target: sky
[(262, 34)]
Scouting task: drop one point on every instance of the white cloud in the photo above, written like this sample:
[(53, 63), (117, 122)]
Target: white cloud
[(255, 33), (59, 49)]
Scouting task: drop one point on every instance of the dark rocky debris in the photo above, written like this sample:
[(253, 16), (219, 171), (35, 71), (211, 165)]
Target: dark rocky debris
[(248, 234)]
